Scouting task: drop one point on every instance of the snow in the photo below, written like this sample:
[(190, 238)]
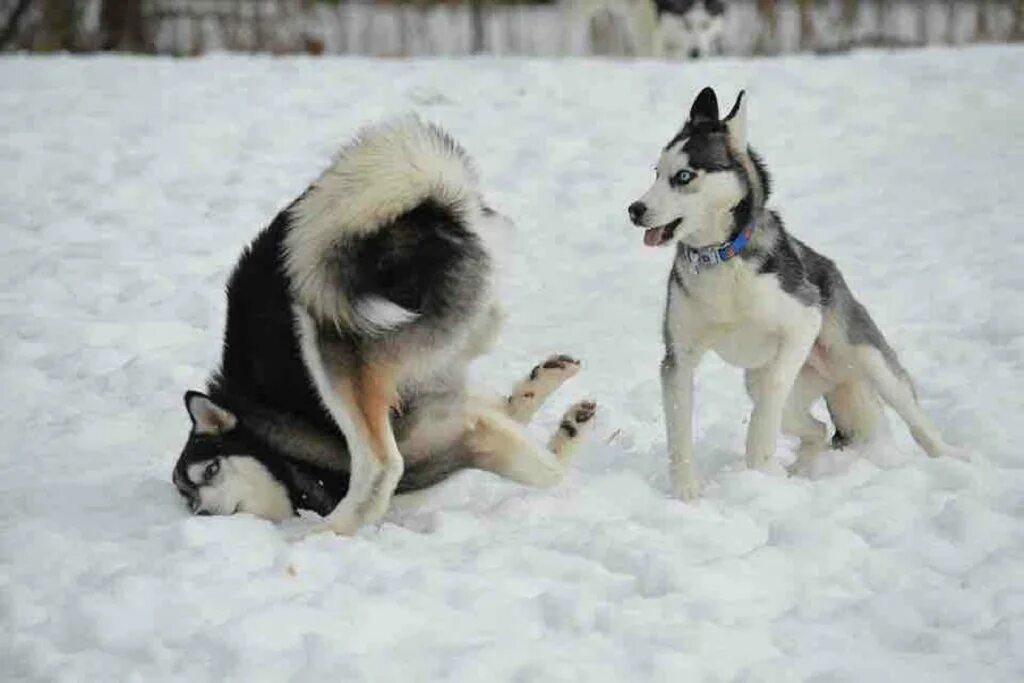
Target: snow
[(129, 186)]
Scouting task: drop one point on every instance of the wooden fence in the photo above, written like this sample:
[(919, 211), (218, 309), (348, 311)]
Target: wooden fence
[(455, 27)]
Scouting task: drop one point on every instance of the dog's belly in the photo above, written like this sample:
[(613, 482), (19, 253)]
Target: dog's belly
[(747, 347)]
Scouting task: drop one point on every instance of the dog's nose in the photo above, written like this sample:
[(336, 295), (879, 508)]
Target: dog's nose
[(694, 53), (637, 211)]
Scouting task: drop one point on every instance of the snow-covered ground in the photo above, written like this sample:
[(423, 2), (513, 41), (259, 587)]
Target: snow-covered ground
[(129, 186)]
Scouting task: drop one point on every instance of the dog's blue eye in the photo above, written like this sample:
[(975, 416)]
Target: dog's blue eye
[(211, 470), (683, 177)]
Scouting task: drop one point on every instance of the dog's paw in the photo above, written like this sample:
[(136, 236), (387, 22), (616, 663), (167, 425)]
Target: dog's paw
[(543, 379), (956, 453), (555, 369), (343, 521), (686, 489), (577, 421), (579, 416)]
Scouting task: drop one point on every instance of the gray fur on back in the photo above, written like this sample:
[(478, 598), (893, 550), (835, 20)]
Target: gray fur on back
[(815, 280)]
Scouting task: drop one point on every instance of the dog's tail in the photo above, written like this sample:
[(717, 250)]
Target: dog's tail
[(856, 410), (342, 231)]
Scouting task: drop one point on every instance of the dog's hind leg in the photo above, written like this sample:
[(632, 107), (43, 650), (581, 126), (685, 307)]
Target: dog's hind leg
[(855, 410), (501, 445), (359, 400), (898, 392), (528, 396)]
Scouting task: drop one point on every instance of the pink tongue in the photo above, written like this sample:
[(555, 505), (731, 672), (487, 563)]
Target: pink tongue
[(652, 237)]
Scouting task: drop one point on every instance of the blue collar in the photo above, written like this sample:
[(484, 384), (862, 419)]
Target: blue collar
[(698, 258)]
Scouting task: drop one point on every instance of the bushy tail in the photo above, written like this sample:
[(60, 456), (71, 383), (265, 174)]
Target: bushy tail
[(342, 224), (856, 411)]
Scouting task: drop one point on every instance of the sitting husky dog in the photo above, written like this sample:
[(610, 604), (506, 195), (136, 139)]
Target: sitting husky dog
[(762, 300), (691, 28), (351, 321)]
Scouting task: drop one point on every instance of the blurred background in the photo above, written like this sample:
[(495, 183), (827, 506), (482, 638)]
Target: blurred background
[(399, 28)]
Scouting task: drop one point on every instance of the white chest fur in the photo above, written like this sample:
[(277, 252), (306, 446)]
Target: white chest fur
[(736, 312)]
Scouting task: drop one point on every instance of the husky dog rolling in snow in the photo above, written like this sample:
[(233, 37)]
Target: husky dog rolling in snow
[(689, 28), (762, 300), (351, 321)]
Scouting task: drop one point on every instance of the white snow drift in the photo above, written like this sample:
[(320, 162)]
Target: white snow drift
[(128, 188)]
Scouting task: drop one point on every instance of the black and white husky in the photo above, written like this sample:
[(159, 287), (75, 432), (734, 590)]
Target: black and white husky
[(688, 28), (351, 321), (762, 300)]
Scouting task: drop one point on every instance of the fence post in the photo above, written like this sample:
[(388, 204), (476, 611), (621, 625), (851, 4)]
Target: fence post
[(59, 26), (476, 8), (122, 26), (807, 37), (767, 36)]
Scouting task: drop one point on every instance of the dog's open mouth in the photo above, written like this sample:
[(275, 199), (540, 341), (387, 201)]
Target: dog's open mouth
[(660, 236)]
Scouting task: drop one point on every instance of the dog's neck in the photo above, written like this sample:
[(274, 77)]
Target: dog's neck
[(720, 227)]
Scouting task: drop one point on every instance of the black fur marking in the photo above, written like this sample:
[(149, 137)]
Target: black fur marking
[(709, 152), (715, 8), (426, 261), (569, 428), (585, 412), (821, 271), (784, 262), (841, 440)]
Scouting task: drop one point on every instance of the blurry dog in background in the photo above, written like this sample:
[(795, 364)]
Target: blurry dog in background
[(670, 29), (689, 28), (351, 323)]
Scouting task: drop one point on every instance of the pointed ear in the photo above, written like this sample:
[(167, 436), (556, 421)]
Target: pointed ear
[(705, 107), (736, 123), (207, 416)]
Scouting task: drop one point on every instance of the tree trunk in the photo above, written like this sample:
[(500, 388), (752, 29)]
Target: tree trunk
[(807, 37), (122, 26), (10, 30)]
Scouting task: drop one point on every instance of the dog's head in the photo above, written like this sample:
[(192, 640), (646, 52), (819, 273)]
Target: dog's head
[(701, 176), (698, 25), (222, 470)]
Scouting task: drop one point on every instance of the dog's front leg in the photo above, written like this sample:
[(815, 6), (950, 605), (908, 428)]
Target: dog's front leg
[(677, 372), (770, 387)]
